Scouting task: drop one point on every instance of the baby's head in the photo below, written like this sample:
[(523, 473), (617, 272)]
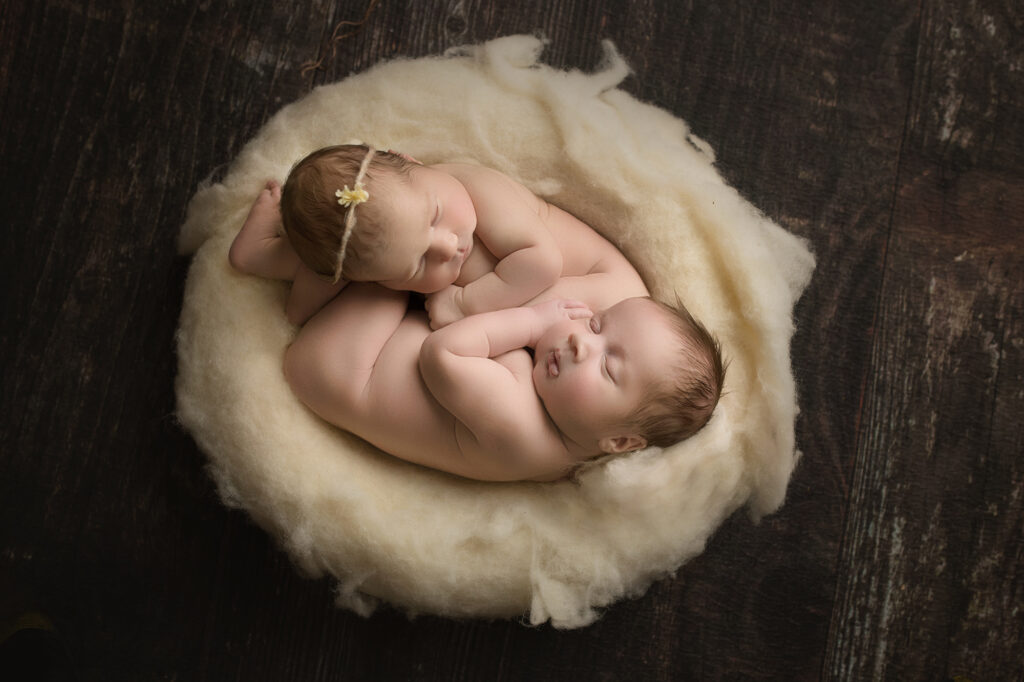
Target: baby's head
[(639, 373), (684, 401), (411, 231)]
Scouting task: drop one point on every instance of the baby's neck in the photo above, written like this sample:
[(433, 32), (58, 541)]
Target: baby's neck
[(576, 451)]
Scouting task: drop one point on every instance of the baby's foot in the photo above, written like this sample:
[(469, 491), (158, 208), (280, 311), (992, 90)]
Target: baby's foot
[(266, 210)]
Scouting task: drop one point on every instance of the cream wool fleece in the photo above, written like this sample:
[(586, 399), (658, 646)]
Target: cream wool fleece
[(429, 542)]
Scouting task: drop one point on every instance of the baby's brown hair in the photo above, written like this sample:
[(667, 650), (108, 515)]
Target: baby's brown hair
[(313, 219), (682, 404)]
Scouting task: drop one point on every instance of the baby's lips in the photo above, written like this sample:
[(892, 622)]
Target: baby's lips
[(553, 363)]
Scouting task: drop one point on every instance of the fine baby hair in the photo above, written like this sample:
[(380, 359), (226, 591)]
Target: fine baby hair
[(319, 211), (681, 404)]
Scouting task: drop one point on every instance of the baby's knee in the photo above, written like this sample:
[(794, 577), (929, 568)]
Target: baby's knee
[(295, 370), (305, 370), (317, 379)]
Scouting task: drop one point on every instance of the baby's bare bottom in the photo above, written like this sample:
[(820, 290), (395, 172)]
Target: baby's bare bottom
[(356, 364)]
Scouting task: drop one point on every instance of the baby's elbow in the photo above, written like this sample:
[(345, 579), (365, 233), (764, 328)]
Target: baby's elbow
[(239, 256), (550, 266)]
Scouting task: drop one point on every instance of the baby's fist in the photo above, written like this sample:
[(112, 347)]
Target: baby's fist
[(443, 306)]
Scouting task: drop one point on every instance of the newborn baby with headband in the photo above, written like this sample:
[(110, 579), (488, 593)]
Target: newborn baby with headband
[(472, 236)]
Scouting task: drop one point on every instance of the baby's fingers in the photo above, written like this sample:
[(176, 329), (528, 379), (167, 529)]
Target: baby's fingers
[(576, 310)]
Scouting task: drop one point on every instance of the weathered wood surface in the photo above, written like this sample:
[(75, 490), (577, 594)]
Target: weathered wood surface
[(890, 134)]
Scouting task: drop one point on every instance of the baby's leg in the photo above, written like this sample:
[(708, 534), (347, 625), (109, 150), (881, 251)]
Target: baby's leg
[(259, 249), (330, 365), (356, 364)]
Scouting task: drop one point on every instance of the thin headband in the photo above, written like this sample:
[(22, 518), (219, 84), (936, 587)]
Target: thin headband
[(352, 198)]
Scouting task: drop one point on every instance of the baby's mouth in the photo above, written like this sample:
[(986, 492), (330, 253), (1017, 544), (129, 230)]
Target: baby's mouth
[(553, 357)]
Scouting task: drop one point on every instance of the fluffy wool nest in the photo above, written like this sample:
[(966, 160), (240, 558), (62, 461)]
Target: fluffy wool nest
[(429, 542)]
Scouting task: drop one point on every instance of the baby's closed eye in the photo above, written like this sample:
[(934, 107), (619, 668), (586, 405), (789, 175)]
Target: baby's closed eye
[(605, 369)]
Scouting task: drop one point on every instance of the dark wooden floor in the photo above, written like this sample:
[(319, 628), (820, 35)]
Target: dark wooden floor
[(889, 133)]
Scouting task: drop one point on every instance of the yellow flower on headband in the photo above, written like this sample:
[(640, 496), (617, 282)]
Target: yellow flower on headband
[(352, 197)]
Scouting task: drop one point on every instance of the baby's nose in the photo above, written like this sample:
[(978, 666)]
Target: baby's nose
[(578, 346), (446, 245)]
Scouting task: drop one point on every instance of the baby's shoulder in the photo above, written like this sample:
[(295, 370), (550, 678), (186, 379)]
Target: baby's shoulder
[(469, 172), (489, 187), (525, 455)]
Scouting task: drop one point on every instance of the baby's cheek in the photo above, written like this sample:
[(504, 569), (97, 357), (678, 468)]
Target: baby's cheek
[(584, 392), (465, 216)]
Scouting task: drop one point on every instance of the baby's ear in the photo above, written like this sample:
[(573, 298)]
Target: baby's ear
[(617, 444)]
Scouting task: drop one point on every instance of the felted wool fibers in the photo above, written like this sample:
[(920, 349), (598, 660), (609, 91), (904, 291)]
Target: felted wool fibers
[(430, 542)]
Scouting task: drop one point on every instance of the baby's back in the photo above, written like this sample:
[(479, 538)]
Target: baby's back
[(584, 251)]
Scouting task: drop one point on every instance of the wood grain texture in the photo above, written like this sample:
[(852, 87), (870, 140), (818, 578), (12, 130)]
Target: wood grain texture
[(933, 534), (889, 134)]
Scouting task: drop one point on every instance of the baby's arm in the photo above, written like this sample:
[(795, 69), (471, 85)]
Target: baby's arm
[(511, 225), (457, 364), (260, 249)]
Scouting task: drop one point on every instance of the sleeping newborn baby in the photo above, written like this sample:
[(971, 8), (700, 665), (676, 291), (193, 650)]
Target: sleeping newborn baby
[(472, 400), (472, 236), (639, 373)]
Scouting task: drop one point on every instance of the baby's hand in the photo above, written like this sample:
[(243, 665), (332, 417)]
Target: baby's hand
[(443, 306), (553, 312)]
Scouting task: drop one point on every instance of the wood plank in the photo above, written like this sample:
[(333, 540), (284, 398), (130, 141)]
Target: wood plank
[(933, 534)]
